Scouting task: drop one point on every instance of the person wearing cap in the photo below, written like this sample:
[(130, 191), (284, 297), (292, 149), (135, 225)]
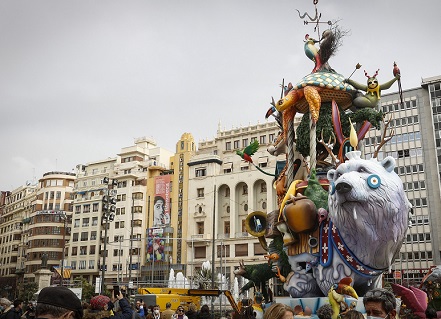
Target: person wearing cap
[(167, 313), (380, 303), (102, 307), (58, 303)]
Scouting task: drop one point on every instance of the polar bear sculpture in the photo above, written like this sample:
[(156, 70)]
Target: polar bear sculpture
[(366, 225)]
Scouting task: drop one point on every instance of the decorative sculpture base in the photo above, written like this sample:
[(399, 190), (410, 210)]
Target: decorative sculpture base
[(43, 278)]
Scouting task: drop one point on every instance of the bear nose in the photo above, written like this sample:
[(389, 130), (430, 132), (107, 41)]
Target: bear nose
[(343, 187)]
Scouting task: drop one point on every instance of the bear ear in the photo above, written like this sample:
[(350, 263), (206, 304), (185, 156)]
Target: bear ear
[(330, 174), (388, 163)]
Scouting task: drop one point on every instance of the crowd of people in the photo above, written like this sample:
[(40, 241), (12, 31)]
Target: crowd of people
[(62, 303), (379, 303)]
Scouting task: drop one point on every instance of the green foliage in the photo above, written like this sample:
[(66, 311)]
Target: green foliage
[(324, 124), (88, 290), (27, 290)]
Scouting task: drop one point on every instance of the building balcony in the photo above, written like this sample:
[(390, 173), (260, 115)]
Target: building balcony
[(241, 235)]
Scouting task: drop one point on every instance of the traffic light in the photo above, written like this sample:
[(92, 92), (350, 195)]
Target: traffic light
[(109, 201)]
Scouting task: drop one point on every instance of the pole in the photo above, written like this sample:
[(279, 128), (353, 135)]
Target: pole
[(153, 260), (64, 250), (104, 257), (119, 262), (213, 249), (131, 241), (221, 281)]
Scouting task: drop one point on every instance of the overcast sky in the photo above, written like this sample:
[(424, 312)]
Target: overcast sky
[(81, 79)]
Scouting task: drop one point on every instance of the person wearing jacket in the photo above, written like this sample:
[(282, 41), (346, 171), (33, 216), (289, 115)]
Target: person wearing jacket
[(16, 312)]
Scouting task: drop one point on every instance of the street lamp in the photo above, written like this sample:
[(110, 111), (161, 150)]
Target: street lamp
[(63, 217), (108, 209)]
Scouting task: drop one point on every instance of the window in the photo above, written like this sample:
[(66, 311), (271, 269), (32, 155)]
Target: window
[(200, 227), (93, 235), (137, 223), (271, 137), (58, 196), (244, 142), (83, 250), (241, 250), (74, 251), (85, 222), (258, 250), (200, 252), (95, 207), (200, 192), (75, 237), (86, 208), (77, 209), (137, 196), (245, 207), (84, 236), (201, 172), (223, 251), (91, 264), (82, 264), (263, 187), (236, 144), (227, 227), (94, 221), (137, 209), (227, 192), (245, 189), (262, 139), (228, 146), (77, 223)]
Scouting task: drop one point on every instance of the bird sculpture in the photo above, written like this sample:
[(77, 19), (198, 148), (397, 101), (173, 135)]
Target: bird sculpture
[(312, 52), (336, 295), (249, 151)]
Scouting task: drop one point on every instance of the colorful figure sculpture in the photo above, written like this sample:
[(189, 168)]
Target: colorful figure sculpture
[(350, 217), (373, 90)]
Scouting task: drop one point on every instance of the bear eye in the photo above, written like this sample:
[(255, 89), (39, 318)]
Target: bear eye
[(374, 181), (361, 170)]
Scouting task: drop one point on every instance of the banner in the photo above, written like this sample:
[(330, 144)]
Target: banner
[(155, 245), (161, 203)]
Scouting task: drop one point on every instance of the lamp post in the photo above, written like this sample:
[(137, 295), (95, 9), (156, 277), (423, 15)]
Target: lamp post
[(64, 218), (108, 209)]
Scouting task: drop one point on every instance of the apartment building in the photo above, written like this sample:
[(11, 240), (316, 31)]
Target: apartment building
[(223, 190), (16, 207), (126, 234), (46, 225)]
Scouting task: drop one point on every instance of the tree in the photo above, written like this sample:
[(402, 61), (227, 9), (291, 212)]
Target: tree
[(88, 290), (27, 290)]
